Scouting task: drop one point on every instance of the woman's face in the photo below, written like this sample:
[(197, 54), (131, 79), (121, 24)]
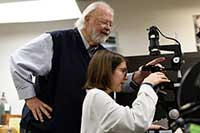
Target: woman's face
[(119, 76)]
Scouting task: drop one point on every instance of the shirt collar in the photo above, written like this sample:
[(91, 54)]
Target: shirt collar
[(83, 38)]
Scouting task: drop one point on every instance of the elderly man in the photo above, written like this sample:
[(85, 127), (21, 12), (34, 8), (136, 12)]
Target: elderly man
[(59, 60)]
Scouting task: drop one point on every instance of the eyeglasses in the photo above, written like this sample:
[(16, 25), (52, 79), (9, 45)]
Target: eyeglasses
[(105, 23), (123, 70)]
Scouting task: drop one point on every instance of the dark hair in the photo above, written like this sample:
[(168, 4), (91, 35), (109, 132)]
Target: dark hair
[(100, 69)]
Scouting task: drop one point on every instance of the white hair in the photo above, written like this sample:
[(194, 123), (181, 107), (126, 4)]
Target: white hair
[(89, 9)]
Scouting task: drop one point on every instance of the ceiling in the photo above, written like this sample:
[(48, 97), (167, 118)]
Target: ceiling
[(6, 1), (20, 11)]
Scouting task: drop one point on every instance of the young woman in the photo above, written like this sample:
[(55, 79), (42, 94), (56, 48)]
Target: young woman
[(107, 72)]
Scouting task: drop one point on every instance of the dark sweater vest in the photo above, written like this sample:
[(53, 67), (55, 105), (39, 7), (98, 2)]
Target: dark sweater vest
[(62, 88)]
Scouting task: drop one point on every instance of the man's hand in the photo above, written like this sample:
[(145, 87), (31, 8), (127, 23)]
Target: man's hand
[(38, 108), (140, 75), (156, 61)]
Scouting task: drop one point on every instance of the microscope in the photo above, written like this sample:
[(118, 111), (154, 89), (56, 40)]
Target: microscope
[(185, 115)]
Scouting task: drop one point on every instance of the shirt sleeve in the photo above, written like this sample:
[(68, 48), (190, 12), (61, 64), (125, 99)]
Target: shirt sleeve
[(116, 118), (33, 59), (127, 88)]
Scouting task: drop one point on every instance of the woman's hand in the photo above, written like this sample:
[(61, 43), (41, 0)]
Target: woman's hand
[(156, 78)]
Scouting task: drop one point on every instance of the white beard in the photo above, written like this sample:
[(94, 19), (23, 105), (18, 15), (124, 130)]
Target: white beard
[(98, 38)]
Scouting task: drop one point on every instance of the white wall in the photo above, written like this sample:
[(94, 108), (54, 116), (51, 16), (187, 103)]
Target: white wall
[(132, 18), (171, 16)]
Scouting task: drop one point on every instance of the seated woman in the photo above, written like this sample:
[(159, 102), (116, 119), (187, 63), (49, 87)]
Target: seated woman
[(107, 72)]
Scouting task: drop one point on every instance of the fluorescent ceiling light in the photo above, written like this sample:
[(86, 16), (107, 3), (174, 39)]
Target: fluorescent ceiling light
[(38, 10)]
